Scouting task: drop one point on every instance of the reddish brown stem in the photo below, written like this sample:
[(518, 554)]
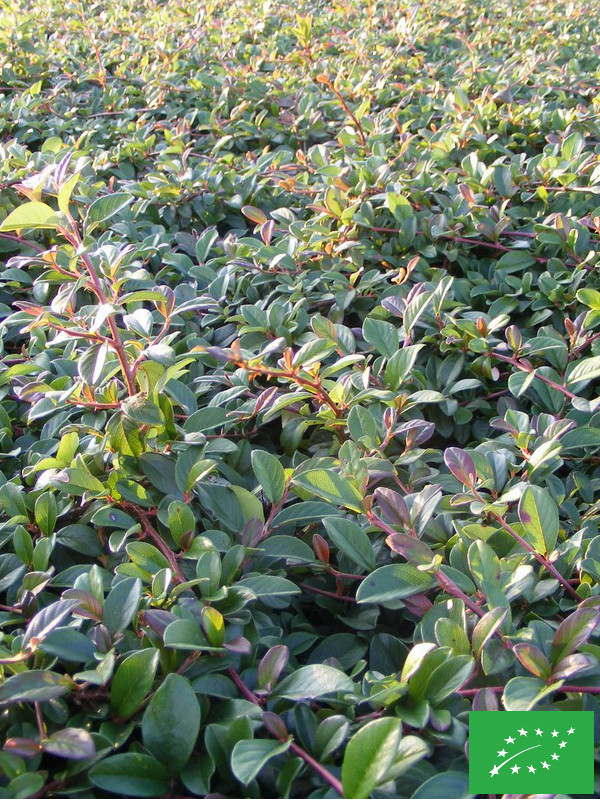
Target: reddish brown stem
[(318, 768), (580, 348), (526, 546), (345, 106), (518, 365), (450, 587), (149, 531), (295, 748), (116, 342), (21, 240), (316, 386), (344, 597)]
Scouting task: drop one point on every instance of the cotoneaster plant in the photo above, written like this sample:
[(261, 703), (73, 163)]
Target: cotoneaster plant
[(300, 428)]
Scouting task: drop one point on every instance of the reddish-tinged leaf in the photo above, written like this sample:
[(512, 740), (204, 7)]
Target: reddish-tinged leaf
[(533, 659), (392, 506), (573, 632), (461, 465)]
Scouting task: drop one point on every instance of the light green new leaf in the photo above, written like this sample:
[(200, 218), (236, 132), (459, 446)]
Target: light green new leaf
[(102, 209), (249, 756), (585, 370), (131, 775), (369, 756), (331, 486), (392, 583), (313, 681), (133, 681), (270, 474), (34, 685), (538, 514), (35, 215)]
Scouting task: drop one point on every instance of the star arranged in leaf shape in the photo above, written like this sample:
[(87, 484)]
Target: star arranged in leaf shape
[(545, 765), (554, 733), (531, 768), (523, 732), (515, 768), (494, 771), (562, 744), (554, 757), (538, 731), (510, 740), (571, 730), (501, 753)]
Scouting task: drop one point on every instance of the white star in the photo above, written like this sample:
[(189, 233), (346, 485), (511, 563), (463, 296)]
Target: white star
[(523, 732), (545, 765), (554, 733), (538, 731), (562, 744), (531, 769), (571, 730), (501, 753), (554, 757), (510, 740), (515, 768), (494, 771)]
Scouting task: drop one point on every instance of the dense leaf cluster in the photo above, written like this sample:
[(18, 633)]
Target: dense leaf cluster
[(300, 426)]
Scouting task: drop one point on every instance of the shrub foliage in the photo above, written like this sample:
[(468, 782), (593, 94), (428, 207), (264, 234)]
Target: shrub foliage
[(300, 428)]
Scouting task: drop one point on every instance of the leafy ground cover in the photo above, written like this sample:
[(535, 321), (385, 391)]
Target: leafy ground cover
[(299, 434)]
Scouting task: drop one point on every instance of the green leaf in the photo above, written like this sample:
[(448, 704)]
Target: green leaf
[(131, 774), (369, 756), (313, 681), (270, 474), (73, 743), (171, 722), (448, 784), (45, 513), (382, 335), (35, 215), (329, 485), (533, 659), (133, 681), (411, 750), (448, 677), (104, 208), (65, 192), (584, 370), (147, 557), (121, 604), (538, 514), (522, 694), (580, 437), (249, 756), (27, 784), (573, 632), (590, 298), (292, 550), (45, 621), (351, 540), (486, 627), (204, 244), (269, 585), (393, 582), (400, 365), (35, 685), (181, 519), (184, 634)]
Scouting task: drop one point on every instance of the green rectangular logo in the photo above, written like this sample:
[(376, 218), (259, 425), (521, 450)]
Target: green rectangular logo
[(531, 752)]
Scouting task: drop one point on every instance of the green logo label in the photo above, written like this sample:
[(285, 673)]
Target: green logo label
[(531, 752)]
